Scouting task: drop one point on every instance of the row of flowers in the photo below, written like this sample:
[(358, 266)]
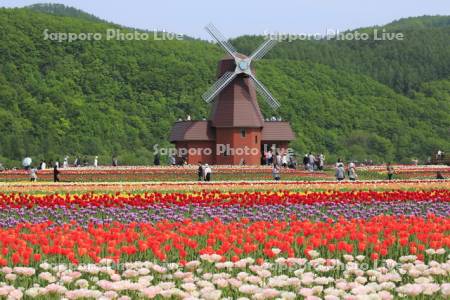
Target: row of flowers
[(60, 215), (217, 198), (48, 187), (377, 237), (214, 277)]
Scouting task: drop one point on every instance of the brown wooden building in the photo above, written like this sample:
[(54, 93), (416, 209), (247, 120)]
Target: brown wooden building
[(236, 131)]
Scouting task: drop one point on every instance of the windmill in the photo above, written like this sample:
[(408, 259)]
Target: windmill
[(236, 122), (242, 66)]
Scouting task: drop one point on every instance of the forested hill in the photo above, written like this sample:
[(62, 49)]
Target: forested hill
[(63, 10), (108, 96), (423, 55)]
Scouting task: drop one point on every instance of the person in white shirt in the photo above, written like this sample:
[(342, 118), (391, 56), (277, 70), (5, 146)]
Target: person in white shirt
[(66, 162), (321, 161), (284, 160), (276, 172), (96, 162), (43, 165), (278, 159), (311, 162), (207, 172), (352, 172), (33, 174)]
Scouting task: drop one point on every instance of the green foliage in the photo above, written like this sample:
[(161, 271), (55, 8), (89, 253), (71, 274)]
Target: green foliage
[(423, 54), (62, 10), (120, 98)]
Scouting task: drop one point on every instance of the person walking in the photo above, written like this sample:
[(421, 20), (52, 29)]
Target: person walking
[(266, 158), (270, 157), (95, 161), (439, 175), (55, 174), (305, 161), (33, 174), (340, 172), (390, 171), (157, 160), (321, 161), (278, 158), (207, 172), (115, 163), (172, 160), (200, 171), (352, 172), (276, 172), (311, 161), (284, 160), (66, 162)]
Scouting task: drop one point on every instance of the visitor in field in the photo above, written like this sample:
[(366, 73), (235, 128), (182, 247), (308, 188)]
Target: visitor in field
[(278, 158), (276, 172), (390, 171), (439, 175), (207, 172), (200, 171), (157, 160), (55, 174), (305, 161), (321, 161), (340, 172), (66, 162), (43, 165), (269, 157), (96, 162), (33, 174), (352, 172), (172, 160), (311, 161), (115, 162), (284, 160)]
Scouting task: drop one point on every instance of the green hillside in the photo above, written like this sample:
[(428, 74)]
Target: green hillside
[(63, 10), (104, 97), (423, 55)]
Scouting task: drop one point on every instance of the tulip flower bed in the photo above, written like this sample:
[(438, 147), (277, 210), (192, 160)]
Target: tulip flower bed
[(220, 173), (88, 209), (217, 244), (186, 173), (377, 258), (137, 187)]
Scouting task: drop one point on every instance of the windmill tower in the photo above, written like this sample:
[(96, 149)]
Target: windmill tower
[(236, 124)]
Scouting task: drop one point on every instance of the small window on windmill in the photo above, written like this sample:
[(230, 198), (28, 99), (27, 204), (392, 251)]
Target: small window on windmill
[(256, 139), (243, 133)]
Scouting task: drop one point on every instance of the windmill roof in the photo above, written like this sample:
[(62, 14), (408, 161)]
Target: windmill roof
[(203, 131), (192, 131), (277, 131)]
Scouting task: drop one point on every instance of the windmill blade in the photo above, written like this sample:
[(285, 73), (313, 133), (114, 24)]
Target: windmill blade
[(263, 49), (215, 33), (265, 93), (219, 85)]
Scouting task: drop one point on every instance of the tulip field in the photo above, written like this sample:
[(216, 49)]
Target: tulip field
[(370, 239), (220, 173)]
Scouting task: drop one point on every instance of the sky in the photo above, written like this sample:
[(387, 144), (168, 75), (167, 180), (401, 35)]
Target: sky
[(238, 17)]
